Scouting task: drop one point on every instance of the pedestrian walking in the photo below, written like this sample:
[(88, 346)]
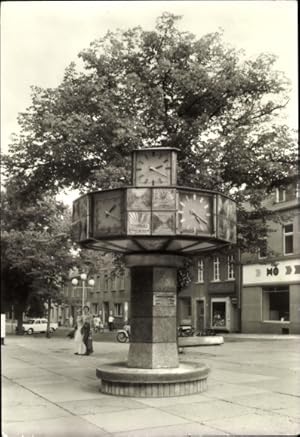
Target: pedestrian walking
[(71, 321), (111, 322), (80, 347), (87, 330)]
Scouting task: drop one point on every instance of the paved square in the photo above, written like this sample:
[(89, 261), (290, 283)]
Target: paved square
[(253, 389)]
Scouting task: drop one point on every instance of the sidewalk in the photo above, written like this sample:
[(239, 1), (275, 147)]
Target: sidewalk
[(253, 389)]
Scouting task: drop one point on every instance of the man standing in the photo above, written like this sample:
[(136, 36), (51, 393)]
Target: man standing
[(111, 322)]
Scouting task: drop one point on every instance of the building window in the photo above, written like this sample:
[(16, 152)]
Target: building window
[(200, 269), (276, 304), (230, 267), (219, 314), (216, 268), (118, 309), (122, 282), (288, 239), (280, 195), (113, 283), (185, 309), (263, 249)]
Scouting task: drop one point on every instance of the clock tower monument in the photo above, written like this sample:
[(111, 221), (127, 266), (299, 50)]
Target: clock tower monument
[(155, 223)]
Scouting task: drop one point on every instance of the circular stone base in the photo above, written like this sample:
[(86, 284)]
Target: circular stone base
[(119, 380)]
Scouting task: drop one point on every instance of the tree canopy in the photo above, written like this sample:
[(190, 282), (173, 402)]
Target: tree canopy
[(162, 87), (37, 252)]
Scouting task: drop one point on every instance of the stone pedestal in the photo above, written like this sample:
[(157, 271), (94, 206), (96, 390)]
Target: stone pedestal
[(153, 311), (153, 367)]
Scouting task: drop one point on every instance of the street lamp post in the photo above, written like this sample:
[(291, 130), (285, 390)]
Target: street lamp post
[(83, 277)]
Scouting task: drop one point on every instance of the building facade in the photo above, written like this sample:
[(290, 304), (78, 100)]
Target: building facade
[(108, 296), (211, 301), (270, 298)]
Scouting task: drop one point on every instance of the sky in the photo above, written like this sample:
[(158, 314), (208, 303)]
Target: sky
[(39, 39)]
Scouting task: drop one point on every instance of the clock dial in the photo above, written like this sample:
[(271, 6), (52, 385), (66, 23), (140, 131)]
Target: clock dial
[(153, 167), (226, 219), (107, 213), (80, 218), (194, 213)]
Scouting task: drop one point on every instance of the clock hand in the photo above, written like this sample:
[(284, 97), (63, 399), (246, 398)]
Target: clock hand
[(157, 171), (107, 213), (112, 208), (198, 217)]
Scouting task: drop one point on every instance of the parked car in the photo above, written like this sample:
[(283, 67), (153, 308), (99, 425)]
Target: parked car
[(31, 326)]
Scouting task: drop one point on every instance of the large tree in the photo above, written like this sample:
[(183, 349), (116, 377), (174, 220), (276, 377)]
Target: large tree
[(35, 249), (160, 88), (37, 252)]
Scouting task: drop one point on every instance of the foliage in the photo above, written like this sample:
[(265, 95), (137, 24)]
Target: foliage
[(160, 88), (35, 248), (184, 275), (35, 307)]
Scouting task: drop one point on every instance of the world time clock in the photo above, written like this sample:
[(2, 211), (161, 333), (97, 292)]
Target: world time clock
[(108, 212), (194, 213), (81, 218), (154, 167)]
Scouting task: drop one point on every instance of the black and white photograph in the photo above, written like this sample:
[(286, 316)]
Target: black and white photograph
[(150, 218)]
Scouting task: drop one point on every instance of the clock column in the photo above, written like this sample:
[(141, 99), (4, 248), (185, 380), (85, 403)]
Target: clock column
[(153, 322)]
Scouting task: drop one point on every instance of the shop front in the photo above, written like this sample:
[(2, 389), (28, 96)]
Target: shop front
[(223, 307), (271, 298)]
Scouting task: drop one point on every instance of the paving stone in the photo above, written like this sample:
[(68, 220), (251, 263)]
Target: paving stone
[(62, 392), (59, 427), (134, 419), (269, 401), (188, 429), (31, 412), (27, 372), (200, 412), (230, 391), (178, 400), (103, 404), (239, 377), (255, 424), (293, 412)]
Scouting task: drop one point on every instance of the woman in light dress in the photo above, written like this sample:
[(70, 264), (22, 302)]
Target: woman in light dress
[(80, 348)]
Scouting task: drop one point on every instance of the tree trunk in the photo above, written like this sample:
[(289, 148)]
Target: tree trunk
[(19, 310)]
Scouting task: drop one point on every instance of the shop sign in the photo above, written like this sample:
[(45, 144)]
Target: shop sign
[(284, 271)]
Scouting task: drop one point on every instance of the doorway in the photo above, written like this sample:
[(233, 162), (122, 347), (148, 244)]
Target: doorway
[(105, 312), (200, 315)]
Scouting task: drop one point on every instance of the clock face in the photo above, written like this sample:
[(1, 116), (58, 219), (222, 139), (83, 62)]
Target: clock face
[(194, 213), (153, 167), (80, 218), (226, 219), (107, 213)]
